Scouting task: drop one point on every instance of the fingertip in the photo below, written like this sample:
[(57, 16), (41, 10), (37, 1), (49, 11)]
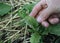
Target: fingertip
[(45, 24), (31, 14), (54, 20), (39, 19)]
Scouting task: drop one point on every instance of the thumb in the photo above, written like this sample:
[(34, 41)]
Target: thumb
[(44, 14)]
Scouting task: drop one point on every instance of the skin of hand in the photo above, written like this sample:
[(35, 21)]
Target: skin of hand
[(43, 9)]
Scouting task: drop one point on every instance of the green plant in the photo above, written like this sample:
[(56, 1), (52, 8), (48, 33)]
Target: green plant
[(4, 8), (37, 30)]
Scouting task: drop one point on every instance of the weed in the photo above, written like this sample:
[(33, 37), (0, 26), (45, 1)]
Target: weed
[(37, 29)]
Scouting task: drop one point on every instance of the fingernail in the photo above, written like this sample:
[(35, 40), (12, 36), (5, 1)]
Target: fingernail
[(39, 20)]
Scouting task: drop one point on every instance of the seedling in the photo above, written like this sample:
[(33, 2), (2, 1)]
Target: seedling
[(37, 29)]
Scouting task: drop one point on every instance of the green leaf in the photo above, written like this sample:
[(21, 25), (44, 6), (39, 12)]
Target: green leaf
[(35, 37), (4, 8), (31, 30), (55, 29), (22, 23), (29, 7), (31, 21), (22, 13), (41, 41), (25, 10), (41, 29)]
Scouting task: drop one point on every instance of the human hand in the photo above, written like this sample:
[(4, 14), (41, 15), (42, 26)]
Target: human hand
[(53, 19), (44, 9)]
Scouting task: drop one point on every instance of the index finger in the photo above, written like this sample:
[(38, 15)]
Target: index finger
[(37, 8)]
